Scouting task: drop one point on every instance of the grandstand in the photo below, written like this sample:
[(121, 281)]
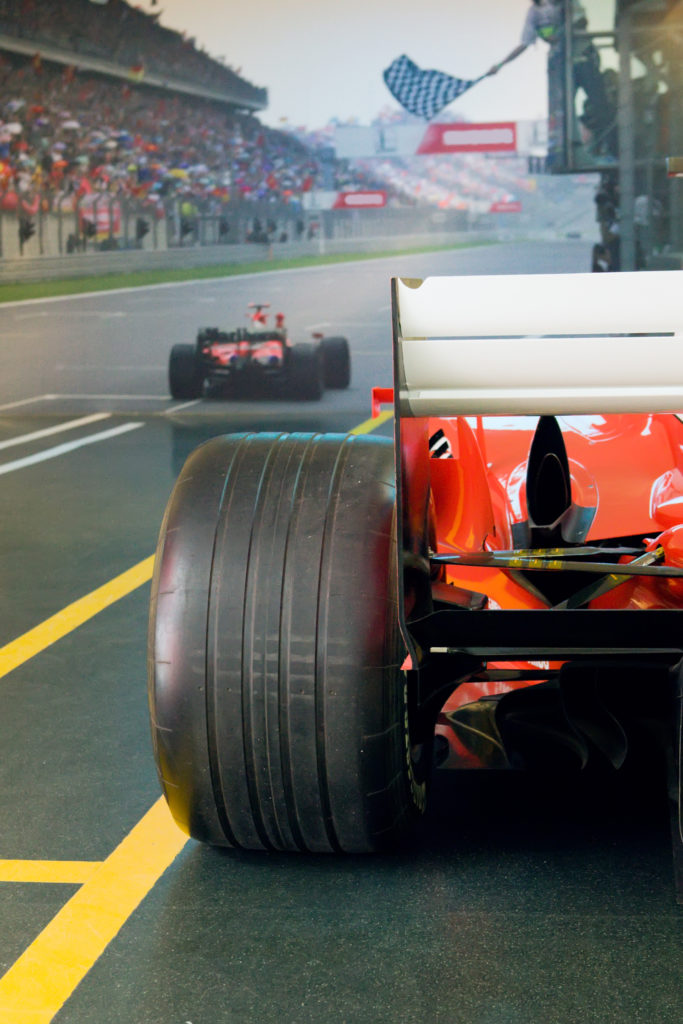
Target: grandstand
[(121, 41), (116, 131)]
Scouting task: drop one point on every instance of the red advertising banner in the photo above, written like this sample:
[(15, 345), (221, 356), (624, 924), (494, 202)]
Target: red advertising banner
[(496, 137), (102, 212), (511, 206), (360, 200)]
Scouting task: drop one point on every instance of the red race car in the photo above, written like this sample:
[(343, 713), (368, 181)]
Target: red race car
[(259, 359), (333, 616)]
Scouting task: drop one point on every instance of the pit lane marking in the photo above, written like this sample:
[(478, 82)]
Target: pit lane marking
[(48, 431), (69, 446), (67, 872), (372, 424), (26, 646), (36, 986)]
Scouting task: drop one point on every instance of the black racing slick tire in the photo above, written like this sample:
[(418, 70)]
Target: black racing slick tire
[(184, 377), (305, 372), (279, 710), (336, 362)]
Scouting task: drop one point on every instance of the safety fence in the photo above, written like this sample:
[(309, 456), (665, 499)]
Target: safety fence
[(101, 234), (105, 235), (99, 222)]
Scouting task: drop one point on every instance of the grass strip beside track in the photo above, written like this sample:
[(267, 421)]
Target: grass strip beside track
[(20, 291)]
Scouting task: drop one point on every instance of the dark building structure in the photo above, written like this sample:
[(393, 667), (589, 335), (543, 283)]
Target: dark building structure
[(615, 90)]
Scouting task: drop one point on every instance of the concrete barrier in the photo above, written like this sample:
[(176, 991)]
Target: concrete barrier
[(43, 268)]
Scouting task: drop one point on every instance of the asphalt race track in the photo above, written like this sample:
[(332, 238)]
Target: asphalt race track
[(525, 901)]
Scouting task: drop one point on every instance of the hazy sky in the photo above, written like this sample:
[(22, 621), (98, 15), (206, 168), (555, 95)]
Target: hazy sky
[(324, 58)]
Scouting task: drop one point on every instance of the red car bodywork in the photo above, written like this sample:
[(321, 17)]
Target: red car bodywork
[(227, 354), (523, 512), (491, 455), (223, 350)]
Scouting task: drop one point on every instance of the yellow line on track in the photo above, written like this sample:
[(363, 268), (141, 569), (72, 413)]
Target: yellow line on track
[(42, 979), (38, 984), (372, 424), (61, 871), (57, 626)]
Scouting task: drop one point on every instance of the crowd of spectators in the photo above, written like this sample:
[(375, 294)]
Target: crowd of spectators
[(65, 133)]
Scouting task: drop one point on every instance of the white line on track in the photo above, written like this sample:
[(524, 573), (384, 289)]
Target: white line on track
[(101, 314), (119, 398), (26, 401), (63, 449), (89, 398), (83, 397), (58, 429), (348, 325), (114, 368), (185, 405)]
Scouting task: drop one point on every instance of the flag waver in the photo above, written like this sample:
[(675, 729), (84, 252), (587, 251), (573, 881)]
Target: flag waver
[(424, 93)]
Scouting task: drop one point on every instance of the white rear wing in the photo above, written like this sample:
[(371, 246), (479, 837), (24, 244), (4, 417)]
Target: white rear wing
[(545, 344)]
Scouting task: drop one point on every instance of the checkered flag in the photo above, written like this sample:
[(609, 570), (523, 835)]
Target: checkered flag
[(424, 93)]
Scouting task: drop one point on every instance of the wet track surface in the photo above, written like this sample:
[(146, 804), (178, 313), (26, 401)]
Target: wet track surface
[(524, 899)]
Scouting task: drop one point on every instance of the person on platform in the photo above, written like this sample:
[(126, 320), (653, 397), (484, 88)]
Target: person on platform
[(545, 20)]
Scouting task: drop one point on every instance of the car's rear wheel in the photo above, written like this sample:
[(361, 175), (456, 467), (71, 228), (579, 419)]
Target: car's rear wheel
[(279, 710), (336, 362), (305, 372), (184, 373)]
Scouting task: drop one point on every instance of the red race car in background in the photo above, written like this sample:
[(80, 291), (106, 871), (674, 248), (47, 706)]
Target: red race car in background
[(259, 359), (501, 587)]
